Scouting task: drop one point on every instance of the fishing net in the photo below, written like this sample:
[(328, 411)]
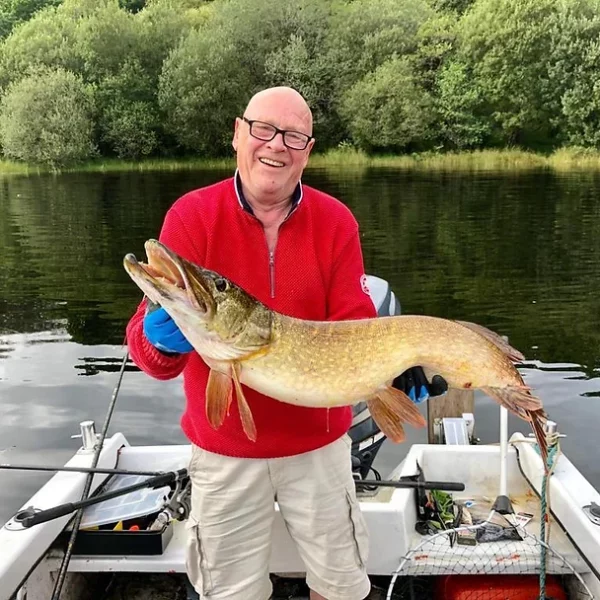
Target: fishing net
[(495, 558)]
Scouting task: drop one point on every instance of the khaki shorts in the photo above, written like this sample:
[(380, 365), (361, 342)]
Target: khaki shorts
[(229, 541)]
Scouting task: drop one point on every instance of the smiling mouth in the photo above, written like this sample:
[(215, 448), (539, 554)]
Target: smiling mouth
[(271, 163)]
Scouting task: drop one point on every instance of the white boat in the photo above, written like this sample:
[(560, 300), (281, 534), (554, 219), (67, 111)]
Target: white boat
[(138, 541)]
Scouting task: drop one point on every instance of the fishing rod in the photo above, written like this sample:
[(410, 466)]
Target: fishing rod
[(444, 486), (87, 486), (29, 517), (12, 467)]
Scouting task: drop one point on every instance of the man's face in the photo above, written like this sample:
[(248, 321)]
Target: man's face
[(270, 170)]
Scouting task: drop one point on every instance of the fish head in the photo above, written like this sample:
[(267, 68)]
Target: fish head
[(220, 319)]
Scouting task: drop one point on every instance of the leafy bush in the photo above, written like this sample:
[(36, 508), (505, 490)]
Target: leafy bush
[(363, 35), (128, 117), (506, 46), (210, 77), (387, 108), (46, 118), (14, 12), (575, 67), (461, 107), (47, 40)]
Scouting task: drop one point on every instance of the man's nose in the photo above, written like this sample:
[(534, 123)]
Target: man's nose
[(277, 142)]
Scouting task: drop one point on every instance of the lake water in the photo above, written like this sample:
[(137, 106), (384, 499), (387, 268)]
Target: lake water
[(519, 253)]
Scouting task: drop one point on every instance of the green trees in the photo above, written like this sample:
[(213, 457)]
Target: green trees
[(210, 76), (61, 132), (169, 76), (506, 45), (388, 109), (575, 72), (13, 12)]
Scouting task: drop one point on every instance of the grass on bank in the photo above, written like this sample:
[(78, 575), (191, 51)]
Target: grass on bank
[(565, 159), (478, 160)]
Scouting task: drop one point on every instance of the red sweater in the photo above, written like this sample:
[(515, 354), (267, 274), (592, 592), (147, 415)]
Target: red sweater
[(316, 273)]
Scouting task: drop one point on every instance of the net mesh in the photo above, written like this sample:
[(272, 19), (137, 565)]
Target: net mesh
[(493, 559)]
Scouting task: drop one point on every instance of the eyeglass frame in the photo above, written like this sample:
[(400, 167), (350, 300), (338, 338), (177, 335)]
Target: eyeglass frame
[(277, 130)]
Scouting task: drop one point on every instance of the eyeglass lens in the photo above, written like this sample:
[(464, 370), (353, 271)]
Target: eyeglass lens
[(266, 132)]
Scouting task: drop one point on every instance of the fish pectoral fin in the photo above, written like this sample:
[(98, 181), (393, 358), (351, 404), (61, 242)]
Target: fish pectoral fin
[(245, 413), (390, 408), (219, 392), (496, 339), (399, 402)]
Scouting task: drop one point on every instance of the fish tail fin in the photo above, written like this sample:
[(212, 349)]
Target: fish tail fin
[(390, 408), (496, 339), (538, 419), (520, 401)]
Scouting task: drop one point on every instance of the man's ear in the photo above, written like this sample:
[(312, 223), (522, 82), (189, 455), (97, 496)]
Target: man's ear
[(234, 141)]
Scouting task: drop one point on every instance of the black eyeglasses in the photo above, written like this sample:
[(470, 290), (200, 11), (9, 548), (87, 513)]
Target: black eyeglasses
[(266, 132)]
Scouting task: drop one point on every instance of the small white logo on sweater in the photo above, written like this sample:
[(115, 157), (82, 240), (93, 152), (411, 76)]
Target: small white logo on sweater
[(364, 285)]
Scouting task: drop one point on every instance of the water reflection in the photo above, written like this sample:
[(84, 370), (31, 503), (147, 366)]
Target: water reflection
[(518, 253)]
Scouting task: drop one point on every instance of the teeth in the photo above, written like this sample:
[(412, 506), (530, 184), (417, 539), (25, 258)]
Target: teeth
[(272, 163)]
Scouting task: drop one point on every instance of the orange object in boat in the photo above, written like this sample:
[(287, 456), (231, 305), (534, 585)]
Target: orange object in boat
[(497, 587)]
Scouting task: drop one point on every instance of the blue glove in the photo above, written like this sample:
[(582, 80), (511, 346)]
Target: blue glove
[(415, 385), (162, 332)]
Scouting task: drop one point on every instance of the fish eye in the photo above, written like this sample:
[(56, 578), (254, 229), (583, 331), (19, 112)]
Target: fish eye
[(220, 284)]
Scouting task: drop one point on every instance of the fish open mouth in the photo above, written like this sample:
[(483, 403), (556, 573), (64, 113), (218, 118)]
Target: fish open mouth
[(165, 271)]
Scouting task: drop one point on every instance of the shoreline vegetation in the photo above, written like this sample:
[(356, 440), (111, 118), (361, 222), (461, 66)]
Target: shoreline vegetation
[(508, 160), (437, 84)]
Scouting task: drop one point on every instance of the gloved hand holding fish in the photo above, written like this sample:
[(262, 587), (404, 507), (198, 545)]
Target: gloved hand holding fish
[(325, 363)]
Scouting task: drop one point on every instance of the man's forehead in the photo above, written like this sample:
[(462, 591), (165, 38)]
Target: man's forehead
[(278, 104)]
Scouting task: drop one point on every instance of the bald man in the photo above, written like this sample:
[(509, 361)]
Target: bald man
[(297, 250)]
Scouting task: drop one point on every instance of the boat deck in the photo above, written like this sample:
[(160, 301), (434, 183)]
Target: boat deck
[(161, 586), (391, 517)]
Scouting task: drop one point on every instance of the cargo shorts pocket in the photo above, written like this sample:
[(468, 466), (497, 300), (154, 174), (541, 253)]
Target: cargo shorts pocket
[(195, 560), (195, 456), (359, 530)]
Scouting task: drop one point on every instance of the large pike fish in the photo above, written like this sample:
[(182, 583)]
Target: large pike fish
[(308, 363)]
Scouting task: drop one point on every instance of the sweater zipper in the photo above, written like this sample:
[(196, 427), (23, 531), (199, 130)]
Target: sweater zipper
[(272, 255), (272, 271)]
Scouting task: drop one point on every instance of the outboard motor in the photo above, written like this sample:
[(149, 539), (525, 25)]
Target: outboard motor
[(364, 432)]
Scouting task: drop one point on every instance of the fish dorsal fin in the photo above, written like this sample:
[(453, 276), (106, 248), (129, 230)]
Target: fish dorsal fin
[(496, 339), (520, 401), (245, 412), (219, 392), (516, 398), (390, 408)]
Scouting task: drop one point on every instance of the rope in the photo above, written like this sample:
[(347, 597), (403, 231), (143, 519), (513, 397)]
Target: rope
[(553, 454)]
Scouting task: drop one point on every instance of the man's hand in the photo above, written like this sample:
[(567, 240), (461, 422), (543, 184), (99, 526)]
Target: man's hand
[(162, 332), (415, 385)]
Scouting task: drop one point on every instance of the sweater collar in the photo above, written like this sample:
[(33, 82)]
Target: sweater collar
[(296, 196)]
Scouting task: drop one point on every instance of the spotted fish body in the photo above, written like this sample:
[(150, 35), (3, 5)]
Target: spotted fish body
[(323, 363), (338, 363)]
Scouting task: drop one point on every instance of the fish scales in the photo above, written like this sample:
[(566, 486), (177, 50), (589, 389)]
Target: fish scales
[(337, 363)]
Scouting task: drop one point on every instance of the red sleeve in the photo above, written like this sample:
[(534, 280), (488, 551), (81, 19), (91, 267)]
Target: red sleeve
[(348, 293), (148, 358)]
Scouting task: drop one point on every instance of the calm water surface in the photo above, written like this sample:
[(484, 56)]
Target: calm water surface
[(517, 253)]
